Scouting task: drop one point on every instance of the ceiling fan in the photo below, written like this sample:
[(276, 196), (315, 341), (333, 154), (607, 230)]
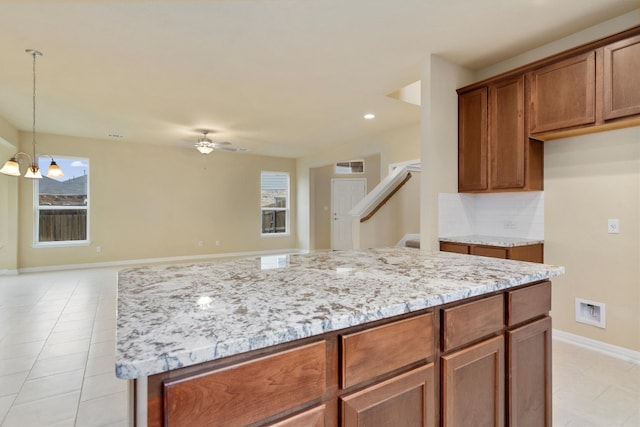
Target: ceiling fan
[(206, 146)]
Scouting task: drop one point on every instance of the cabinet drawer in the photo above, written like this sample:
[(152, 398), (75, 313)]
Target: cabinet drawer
[(454, 247), (370, 353), (493, 252), (248, 392), (469, 322), (527, 303)]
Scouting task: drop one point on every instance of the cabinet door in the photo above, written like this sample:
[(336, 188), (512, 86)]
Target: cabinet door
[(472, 141), (473, 385), (506, 134), (562, 94), (529, 365), (622, 79), (407, 400)]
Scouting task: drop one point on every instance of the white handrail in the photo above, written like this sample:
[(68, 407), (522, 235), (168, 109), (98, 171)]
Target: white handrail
[(382, 190)]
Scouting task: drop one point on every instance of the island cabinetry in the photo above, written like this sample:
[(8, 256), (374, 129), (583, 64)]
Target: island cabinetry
[(622, 79), (404, 400), (529, 356), (248, 392), (473, 376), (563, 94), (530, 253), (407, 399)]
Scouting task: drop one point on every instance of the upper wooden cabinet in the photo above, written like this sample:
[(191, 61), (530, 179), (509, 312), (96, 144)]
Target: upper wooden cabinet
[(504, 119), (472, 136), (563, 94), (621, 76), (494, 153)]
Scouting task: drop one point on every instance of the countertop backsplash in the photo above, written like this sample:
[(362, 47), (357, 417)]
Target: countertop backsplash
[(516, 215)]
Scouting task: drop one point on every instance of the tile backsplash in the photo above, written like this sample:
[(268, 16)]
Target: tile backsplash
[(518, 214)]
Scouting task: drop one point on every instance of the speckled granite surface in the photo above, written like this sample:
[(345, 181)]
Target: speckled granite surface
[(505, 242), (178, 315)]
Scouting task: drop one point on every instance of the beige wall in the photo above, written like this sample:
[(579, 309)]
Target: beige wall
[(321, 202), (395, 146), (398, 217), (588, 180), (8, 202), (156, 201)]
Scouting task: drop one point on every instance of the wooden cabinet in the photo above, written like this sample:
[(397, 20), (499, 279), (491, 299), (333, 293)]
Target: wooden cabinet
[(473, 385), (378, 351), (529, 253), (563, 94), (529, 374), (481, 362), (504, 119), (405, 400), (493, 151), (472, 141), (621, 76), (248, 392)]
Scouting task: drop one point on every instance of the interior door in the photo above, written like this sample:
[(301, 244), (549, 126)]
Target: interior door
[(345, 193)]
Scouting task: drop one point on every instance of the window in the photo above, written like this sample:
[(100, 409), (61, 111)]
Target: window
[(274, 202), (350, 167), (62, 204)]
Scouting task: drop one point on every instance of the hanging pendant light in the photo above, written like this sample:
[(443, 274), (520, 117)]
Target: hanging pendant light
[(11, 166)]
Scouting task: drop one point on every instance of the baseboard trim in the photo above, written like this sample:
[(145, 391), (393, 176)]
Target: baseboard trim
[(599, 346), (8, 272), (126, 263)]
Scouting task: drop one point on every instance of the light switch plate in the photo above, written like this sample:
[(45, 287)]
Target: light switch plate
[(613, 226)]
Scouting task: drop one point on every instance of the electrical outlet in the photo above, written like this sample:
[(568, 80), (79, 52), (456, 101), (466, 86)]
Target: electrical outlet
[(98, 249), (613, 226), (200, 243)]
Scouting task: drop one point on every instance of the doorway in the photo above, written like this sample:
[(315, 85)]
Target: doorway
[(345, 194)]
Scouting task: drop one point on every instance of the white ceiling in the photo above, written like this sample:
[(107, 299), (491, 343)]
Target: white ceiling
[(280, 77)]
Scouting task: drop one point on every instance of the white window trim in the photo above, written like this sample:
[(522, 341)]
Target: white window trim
[(287, 232), (37, 208), (335, 167)]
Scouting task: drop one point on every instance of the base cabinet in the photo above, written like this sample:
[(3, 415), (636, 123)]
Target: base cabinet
[(473, 385), (529, 373), (479, 362), (406, 400), (529, 253)]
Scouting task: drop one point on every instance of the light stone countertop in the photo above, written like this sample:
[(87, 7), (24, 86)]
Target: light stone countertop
[(172, 316), (504, 242)]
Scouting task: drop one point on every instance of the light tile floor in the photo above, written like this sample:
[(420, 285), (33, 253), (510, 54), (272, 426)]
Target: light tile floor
[(57, 333)]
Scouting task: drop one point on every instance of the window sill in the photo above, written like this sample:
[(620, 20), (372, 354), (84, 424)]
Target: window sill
[(61, 244)]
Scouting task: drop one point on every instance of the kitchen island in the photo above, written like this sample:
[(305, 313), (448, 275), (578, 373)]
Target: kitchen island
[(322, 338)]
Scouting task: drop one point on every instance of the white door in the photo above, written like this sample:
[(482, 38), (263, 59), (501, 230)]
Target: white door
[(345, 194)]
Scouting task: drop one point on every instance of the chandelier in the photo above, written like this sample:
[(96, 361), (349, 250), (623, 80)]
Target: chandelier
[(12, 167)]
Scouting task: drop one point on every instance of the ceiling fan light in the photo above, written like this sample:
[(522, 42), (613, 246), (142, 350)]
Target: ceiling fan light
[(204, 148), (11, 167), (54, 170), (33, 172)]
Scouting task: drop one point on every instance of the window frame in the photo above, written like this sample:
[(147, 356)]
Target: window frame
[(351, 163), (37, 208), (286, 209)]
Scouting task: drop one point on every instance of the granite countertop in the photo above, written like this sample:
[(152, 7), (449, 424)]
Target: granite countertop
[(504, 242), (172, 316)]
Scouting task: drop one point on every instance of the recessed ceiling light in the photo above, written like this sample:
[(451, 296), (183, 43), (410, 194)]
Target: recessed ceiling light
[(369, 116)]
